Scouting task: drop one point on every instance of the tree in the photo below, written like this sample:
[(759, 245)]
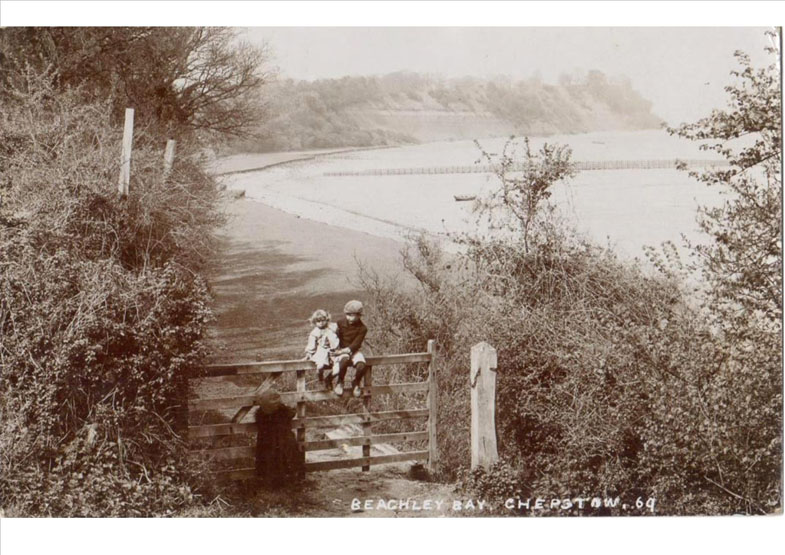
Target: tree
[(736, 414), (179, 80), (519, 203), (743, 264)]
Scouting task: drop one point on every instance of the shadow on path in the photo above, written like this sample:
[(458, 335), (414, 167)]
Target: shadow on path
[(263, 301)]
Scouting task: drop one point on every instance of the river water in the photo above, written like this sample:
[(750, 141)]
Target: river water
[(624, 208)]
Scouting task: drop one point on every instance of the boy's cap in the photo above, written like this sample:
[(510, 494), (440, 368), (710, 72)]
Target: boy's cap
[(353, 307)]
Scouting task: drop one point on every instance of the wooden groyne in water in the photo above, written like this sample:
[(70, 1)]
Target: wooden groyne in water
[(582, 166)]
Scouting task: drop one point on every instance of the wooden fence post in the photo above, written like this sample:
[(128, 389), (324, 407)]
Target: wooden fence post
[(300, 433), (169, 156), (125, 156), (433, 451), (483, 403), (367, 431)]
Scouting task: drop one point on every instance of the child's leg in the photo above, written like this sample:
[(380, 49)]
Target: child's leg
[(336, 369), (360, 368), (359, 373), (342, 367), (337, 365), (320, 372)]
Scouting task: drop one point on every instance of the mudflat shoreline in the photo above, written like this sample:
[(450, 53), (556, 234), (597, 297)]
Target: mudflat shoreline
[(273, 269)]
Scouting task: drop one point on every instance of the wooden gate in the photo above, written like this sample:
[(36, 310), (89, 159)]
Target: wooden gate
[(268, 372)]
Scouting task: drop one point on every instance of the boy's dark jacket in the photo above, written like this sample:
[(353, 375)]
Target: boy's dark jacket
[(351, 335)]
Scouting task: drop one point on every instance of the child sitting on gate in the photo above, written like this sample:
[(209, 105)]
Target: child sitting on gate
[(322, 342), (351, 333)]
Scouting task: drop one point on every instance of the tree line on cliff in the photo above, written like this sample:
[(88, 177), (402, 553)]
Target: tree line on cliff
[(345, 112)]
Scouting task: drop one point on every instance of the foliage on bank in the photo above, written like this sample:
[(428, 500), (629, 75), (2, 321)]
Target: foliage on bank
[(102, 305)]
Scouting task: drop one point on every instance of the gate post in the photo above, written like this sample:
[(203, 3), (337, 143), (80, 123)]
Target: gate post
[(367, 431), (483, 403), (300, 433), (433, 452)]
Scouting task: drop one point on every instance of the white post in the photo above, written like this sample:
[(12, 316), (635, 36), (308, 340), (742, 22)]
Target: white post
[(169, 156), (483, 404), (125, 156)]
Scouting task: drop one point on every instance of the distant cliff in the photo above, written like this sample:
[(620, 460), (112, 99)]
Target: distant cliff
[(409, 108)]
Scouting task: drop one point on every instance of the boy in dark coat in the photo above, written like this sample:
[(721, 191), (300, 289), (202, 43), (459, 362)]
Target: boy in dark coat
[(351, 333)]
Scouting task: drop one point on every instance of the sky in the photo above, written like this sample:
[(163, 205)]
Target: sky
[(681, 70)]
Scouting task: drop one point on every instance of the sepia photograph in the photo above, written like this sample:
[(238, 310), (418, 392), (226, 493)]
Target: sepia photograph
[(390, 271)]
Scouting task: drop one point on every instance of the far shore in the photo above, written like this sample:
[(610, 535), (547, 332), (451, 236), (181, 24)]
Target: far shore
[(273, 269)]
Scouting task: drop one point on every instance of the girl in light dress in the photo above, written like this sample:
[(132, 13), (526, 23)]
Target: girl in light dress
[(322, 342)]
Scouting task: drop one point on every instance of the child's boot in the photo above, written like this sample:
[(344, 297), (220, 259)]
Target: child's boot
[(338, 389)]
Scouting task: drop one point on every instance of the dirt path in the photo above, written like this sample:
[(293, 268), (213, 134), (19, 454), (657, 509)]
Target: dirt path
[(273, 271)]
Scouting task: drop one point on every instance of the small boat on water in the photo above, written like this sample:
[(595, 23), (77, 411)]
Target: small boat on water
[(461, 198)]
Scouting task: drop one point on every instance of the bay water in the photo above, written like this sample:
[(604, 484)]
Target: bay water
[(626, 208)]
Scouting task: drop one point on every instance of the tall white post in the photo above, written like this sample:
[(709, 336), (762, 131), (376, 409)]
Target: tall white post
[(169, 156), (125, 156)]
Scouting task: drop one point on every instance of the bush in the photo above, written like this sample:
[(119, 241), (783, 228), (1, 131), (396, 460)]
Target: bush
[(557, 317), (500, 482), (610, 380), (102, 311)]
